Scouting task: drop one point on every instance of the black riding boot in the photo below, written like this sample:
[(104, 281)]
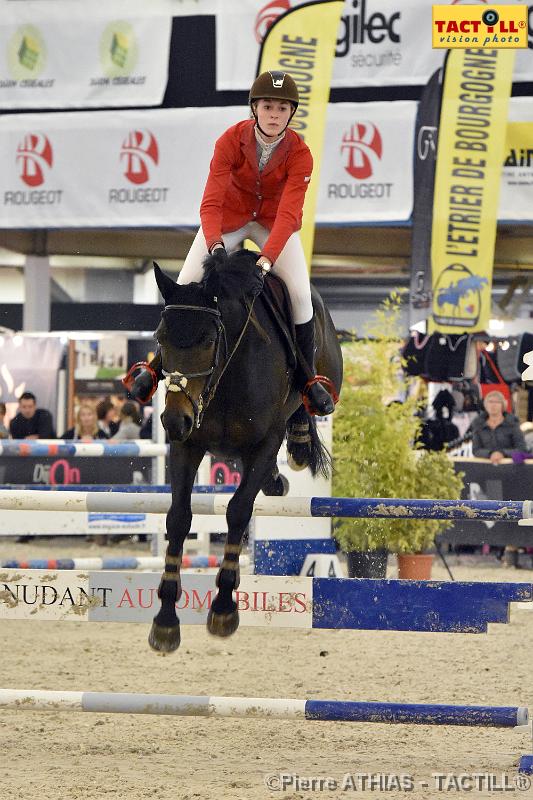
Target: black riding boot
[(320, 400), (142, 388)]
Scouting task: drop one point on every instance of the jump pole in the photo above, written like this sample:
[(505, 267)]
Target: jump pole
[(259, 707), (116, 562), (384, 508)]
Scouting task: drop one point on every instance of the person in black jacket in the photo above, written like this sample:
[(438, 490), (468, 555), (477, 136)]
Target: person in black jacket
[(496, 434), (31, 422)]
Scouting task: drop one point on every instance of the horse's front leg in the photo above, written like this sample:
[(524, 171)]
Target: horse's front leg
[(184, 462), (258, 462)]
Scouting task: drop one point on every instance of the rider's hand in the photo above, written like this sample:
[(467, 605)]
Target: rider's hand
[(264, 264)]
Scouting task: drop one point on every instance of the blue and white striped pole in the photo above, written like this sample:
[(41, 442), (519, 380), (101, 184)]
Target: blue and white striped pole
[(259, 707), (217, 503)]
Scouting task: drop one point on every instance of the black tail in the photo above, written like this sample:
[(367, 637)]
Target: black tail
[(305, 446)]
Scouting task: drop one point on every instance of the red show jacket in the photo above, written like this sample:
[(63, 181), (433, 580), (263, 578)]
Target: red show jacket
[(236, 192)]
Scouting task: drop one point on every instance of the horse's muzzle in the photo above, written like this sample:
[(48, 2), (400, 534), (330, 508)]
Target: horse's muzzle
[(178, 426)]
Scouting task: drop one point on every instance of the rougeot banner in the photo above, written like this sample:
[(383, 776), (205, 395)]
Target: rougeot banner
[(302, 42), (143, 168), (363, 175), (379, 42), (470, 155), (105, 58)]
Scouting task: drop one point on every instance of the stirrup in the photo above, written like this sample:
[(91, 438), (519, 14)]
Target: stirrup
[(129, 379), (328, 386)]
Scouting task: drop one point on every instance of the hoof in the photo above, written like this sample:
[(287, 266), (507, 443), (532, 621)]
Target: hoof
[(295, 465), (222, 624), (164, 639)]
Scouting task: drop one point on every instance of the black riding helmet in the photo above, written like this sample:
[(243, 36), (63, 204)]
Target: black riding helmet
[(276, 85)]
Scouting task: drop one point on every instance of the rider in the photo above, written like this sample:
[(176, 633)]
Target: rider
[(255, 189)]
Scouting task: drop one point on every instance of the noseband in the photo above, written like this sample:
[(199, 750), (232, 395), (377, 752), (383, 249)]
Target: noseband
[(178, 381)]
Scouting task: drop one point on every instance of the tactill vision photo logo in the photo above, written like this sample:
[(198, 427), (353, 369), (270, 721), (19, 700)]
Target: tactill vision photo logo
[(140, 159), (267, 16), (35, 159), (362, 151), (494, 26)]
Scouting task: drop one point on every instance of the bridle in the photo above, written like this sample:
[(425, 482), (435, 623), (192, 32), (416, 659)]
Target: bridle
[(177, 381)]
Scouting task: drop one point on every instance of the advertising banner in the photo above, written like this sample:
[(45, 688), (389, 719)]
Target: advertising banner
[(366, 166), (379, 42), (104, 58), (470, 155), (114, 169), (302, 41), (145, 168), (516, 193), (424, 161), (29, 364)]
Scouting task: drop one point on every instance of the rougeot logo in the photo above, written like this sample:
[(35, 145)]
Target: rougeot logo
[(34, 156), (140, 151), (268, 15), (364, 147)]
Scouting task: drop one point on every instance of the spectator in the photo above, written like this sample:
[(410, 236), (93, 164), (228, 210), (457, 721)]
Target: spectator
[(130, 422), (31, 422), (107, 417), (496, 434), (86, 428), (4, 433)]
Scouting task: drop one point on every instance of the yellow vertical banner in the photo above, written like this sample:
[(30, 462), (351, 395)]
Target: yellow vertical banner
[(470, 156), (302, 42)]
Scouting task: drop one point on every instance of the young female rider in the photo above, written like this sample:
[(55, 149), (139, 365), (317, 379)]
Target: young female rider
[(255, 190)]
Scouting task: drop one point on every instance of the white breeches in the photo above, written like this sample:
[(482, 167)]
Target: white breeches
[(290, 265)]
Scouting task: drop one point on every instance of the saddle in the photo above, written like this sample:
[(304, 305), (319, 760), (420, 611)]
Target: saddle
[(278, 303)]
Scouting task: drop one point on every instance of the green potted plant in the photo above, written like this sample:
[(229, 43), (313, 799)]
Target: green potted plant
[(375, 454)]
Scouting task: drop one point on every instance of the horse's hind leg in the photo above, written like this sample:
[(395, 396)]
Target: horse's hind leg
[(223, 619), (298, 440), (184, 462)]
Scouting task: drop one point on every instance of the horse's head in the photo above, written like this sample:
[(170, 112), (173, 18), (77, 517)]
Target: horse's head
[(190, 335)]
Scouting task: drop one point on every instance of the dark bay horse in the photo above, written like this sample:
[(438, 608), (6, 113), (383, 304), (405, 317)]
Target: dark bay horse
[(229, 378)]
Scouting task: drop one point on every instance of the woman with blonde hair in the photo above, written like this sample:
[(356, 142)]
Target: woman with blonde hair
[(86, 428), (496, 434)]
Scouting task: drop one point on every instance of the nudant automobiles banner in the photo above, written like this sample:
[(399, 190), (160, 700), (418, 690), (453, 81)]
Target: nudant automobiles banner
[(379, 42), (59, 56)]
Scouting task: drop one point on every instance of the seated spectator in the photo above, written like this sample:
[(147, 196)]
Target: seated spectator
[(86, 428), (130, 422), (31, 422), (4, 433), (496, 434), (107, 417)]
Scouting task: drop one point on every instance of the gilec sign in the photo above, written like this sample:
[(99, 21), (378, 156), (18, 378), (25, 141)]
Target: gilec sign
[(461, 26)]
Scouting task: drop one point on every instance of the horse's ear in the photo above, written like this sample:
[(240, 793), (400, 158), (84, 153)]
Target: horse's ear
[(165, 284)]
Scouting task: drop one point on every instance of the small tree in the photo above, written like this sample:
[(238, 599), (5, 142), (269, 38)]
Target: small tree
[(375, 450)]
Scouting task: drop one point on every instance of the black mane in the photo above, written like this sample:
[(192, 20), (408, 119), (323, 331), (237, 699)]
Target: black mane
[(232, 276)]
